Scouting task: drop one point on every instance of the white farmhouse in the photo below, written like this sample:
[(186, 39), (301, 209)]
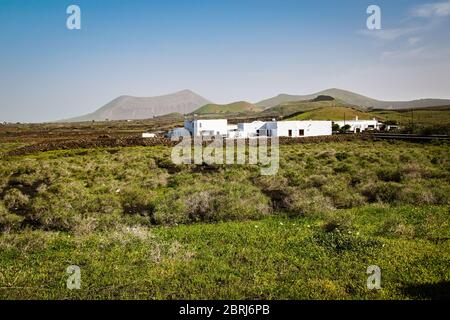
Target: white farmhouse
[(357, 125), (297, 129), (212, 127), (252, 129), (220, 127), (294, 129)]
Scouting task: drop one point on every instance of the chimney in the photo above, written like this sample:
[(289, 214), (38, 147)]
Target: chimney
[(356, 118)]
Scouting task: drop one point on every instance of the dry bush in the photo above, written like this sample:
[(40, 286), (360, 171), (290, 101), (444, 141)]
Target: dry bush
[(330, 153), (413, 170), (15, 200), (341, 223), (306, 202), (9, 221), (206, 202), (388, 192), (273, 182), (200, 206), (317, 181), (342, 195), (136, 200), (389, 175), (424, 194)]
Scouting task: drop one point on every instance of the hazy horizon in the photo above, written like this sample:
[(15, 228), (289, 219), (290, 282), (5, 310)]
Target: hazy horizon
[(224, 51)]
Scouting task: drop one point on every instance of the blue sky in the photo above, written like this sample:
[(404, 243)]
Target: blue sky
[(225, 50)]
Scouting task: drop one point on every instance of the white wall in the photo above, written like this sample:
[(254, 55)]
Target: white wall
[(248, 130), (310, 128), (148, 135), (207, 127), (362, 125)]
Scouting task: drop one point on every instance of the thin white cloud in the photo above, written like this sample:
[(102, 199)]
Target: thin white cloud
[(404, 54), (390, 34), (420, 53), (413, 41), (430, 10)]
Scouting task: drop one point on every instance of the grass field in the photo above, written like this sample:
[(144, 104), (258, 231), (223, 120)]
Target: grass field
[(139, 226), (232, 108), (429, 116), (334, 114), (287, 109)]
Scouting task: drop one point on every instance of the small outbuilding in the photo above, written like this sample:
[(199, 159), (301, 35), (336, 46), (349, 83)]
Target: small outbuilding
[(210, 127), (357, 125), (148, 135)]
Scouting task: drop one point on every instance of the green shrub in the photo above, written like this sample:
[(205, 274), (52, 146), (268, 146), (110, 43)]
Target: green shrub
[(15, 200), (341, 223), (342, 155), (342, 168), (342, 195), (424, 194), (208, 203), (136, 201), (300, 202), (272, 182), (8, 221), (389, 175), (412, 170), (387, 192), (325, 154), (316, 181)]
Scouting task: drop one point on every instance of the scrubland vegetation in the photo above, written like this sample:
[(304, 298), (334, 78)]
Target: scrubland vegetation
[(141, 227)]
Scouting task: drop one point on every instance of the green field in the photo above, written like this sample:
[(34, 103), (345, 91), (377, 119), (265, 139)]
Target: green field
[(429, 116), (232, 108), (139, 226), (334, 114), (287, 109)]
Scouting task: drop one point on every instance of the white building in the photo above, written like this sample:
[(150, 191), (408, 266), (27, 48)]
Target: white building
[(298, 129), (232, 131), (360, 125), (295, 129), (220, 127), (213, 127), (148, 135), (252, 129)]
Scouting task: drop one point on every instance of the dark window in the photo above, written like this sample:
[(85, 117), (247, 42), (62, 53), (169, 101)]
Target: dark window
[(290, 133), (301, 132)]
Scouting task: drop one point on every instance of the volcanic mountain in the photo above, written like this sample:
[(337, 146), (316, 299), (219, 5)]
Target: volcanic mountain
[(132, 108), (354, 99)]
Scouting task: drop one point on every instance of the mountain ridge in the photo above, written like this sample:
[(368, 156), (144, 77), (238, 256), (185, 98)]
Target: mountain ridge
[(234, 107), (128, 107), (354, 99)]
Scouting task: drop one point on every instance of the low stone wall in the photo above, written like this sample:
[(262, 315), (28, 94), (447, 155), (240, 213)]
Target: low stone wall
[(149, 142)]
